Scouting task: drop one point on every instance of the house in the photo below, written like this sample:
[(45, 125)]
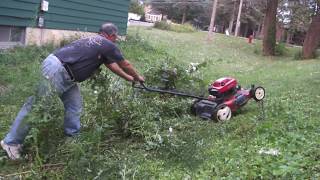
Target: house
[(152, 15), (133, 16), (24, 22)]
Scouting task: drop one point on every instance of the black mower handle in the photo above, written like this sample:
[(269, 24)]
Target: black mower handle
[(141, 86), (151, 89)]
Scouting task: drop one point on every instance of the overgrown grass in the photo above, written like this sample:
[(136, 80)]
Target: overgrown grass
[(126, 134)]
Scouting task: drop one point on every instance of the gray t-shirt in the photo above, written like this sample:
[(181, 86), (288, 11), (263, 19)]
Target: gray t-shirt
[(84, 56)]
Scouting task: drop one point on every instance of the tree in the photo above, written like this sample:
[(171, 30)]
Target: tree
[(296, 16), (200, 11), (252, 12), (136, 8), (312, 39), (213, 16), (253, 15), (180, 10), (225, 14), (269, 32), (238, 18), (232, 17)]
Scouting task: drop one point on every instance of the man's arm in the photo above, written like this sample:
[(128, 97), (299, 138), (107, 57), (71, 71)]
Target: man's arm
[(114, 67), (129, 69)]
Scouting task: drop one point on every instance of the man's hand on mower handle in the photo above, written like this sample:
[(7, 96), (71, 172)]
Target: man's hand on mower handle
[(125, 70), (129, 70), (139, 78), (138, 85)]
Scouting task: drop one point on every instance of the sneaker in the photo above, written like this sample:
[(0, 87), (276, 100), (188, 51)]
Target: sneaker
[(13, 151)]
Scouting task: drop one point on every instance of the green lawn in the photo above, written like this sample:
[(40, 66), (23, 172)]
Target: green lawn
[(125, 135)]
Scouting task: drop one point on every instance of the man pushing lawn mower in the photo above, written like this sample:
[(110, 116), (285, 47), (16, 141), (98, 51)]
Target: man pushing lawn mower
[(62, 70)]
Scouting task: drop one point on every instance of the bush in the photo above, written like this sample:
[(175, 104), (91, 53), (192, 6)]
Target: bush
[(137, 113), (281, 49), (257, 50), (182, 28), (68, 40), (174, 27), (298, 55), (162, 25), (136, 8)]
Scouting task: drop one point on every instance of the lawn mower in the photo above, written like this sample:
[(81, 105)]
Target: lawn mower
[(225, 97)]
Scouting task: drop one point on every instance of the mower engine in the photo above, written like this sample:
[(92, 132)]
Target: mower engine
[(225, 97), (223, 87)]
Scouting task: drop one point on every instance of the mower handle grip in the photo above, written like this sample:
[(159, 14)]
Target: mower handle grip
[(141, 86)]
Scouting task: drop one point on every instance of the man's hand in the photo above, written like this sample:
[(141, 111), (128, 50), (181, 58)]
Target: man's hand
[(128, 68), (139, 78), (131, 79), (114, 67)]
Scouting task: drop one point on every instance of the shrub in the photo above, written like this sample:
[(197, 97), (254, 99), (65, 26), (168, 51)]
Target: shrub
[(162, 25), (136, 8), (68, 40), (281, 49), (182, 28), (257, 50), (136, 113), (174, 27), (298, 55)]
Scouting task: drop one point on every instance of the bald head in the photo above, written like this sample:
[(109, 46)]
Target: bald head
[(109, 29)]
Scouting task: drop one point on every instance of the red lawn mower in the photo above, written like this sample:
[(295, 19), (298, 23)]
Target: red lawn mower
[(225, 97)]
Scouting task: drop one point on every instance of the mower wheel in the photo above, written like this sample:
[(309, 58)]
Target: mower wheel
[(222, 113), (258, 93)]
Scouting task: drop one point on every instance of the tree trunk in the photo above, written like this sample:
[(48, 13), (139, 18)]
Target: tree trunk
[(289, 36), (213, 16), (261, 30), (312, 38), (269, 28), (232, 18), (238, 19), (184, 15)]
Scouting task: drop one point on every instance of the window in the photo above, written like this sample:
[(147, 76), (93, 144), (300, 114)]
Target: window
[(12, 34), (17, 34), (4, 34)]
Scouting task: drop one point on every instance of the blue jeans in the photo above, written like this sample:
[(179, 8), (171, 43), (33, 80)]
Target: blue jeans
[(55, 80)]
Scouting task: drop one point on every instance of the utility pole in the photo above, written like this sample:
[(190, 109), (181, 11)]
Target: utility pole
[(238, 19), (213, 16)]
